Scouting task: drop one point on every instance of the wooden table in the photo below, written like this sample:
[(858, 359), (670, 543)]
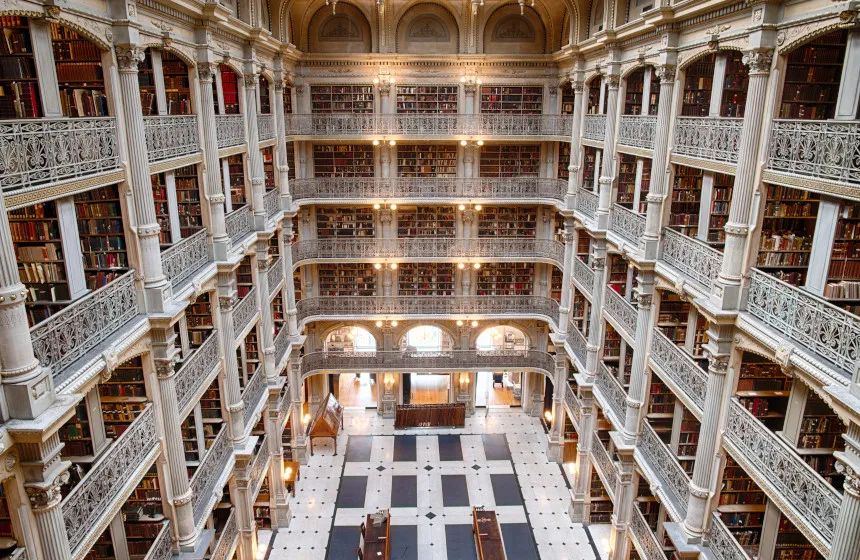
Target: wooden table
[(488, 535), (376, 539), (430, 415)]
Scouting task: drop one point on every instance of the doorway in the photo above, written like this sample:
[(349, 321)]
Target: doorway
[(496, 388), (357, 390), (426, 388)]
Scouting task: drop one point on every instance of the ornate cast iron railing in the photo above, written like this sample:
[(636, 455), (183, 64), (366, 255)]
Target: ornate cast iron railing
[(604, 463), (275, 274), (573, 404), (252, 393), (722, 543), (245, 311), (513, 188), (161, 547), (239, 223), (265, 127), (786, 478), (272, 202), (207, 474), (104, 483), (75, 330), (817, 325), (637, 131), (644, 538), (282, 344), (586, 203), (170, 136), (680, 368), (626, 223), (181, 260), (577, 343), (257, 466), (613, 393), (621, 310), (230, 130), (695, 259), (583, 276), (673, 479), (227, 538), (594, 127), (712, 138), (351, 125), (196, 370), (827, 150), (428, 306), (40, 151), (429, 247)]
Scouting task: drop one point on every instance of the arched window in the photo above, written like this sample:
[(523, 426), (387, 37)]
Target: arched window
[(502, 338), (350, 339), (426, 338)]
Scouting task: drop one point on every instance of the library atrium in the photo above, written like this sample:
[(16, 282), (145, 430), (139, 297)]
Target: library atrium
[(430, 279)]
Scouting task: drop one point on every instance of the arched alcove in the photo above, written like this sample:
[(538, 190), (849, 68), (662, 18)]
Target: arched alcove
[(428, 29), (426, 338), (350, 339), (346, 31), (595, 18), (502, 338), (509, 32)]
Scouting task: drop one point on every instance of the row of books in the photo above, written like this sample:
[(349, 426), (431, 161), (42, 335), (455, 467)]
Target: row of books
[(81, 102)]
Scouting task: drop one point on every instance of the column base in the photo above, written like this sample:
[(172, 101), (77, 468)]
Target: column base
[(554, 450), (201, 549), (283, 515), (684, 547), (579, 510)]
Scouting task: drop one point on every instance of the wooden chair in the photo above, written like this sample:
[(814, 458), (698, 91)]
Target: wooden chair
[(498, 378)]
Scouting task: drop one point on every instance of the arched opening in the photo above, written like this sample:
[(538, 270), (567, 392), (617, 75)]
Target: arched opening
[(813, 79), (164, 67), (500, 388), (346, 31), (424, 387), (428, 29), (226, 91), (509, 32), (595, 20), (352, 389), (502, 338), (426, 338), (726, 68)]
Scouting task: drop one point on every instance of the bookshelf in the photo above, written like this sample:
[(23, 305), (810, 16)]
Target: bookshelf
[(618, 274), (786, 234), (265, 96), (611, 347), (143, 515), (210, 406), (123, 397), (425, 279), (353, 279), (513, 221), (589, 167), (427, 160), (518, 100), (734, 86), (343, 160), (583, 244), (741, 507), (555, 285), (19, 82), (177, 85), (568, 100), (506, 279), (791, 544), (344, 222), (268, 155), (688, 441), (100, 226), (342, 99), (634, 92), (288, 101), (698, 81), (417, 99), (593, 106), (103, 548), (626, 180), (812, 76), (162, 209), (426, 221), (661, 408), (720, 200), (291, 160), (7, 529), (563, 160), (686, 199), (230, 89), (249, 356), (198, 319), (76, 434), (236, 177), (297, 283), (78, 63), (41, 264), (843, 278), (763, 389), (244, 277), (820, 435), (510, 160), (146, 83), (262, 515), (601, 505), (579, 312), (188, 200), (278, 315)]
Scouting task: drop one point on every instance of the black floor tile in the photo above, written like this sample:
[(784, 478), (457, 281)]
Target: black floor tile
[(496, 447), (352, 492), (405, 448), (450, 448), (343, 543), (460, 543), (519, 541), (506, 490), (404, 491), (358, 449), (404, 542), (455, 492)]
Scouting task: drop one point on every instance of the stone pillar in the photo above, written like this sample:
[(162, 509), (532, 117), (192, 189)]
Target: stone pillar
[(658, 190), (581, 477), (625, 492), (165, 354), (638, 391), (575, 165), (282, 514), (607, 168), (281, 139), (846, 536), (214, 185), (44, 475), (567, 275), (287, 259), (240, 495), (157, 289), (294, 373), (233, 395), (255, 158), (596, 326), (727, 291), (264, 300), (556, 432)]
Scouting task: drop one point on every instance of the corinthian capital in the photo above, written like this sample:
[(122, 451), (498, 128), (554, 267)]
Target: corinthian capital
[(206, 71), (758, 60), (128, 57), (250, 79), (46, 495), (666, 72)]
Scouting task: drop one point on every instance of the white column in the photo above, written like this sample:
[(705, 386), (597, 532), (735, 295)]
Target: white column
[(581, 483), (575, 165), (281, 142), (595, 331), (255, 158), (232, 394), (214, 182), (567, 275), (264, 298), (607, 169), (556, 431), (846, 536), (45, 475), (638, 391)]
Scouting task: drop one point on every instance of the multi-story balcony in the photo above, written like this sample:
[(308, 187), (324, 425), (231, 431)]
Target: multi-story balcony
[(435, 249), (703, 140), (226, 541), (162, 545), (252, 395), (613, 395), (197, 373), (578, 345), (210, 474), (583, 277), (827, 151), (230, 130), (182, 260), (637, 131), (606, 469), (694, 260), (170, 136), (244, 312), (586, 204), (626, 225), (346, 190), (429, 125), (266, 128), (620, 313), (272, 203), (239, 224), (594, 128), (679, 371), (659, 464)]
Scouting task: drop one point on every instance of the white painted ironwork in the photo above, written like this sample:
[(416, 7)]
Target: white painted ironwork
[(274, 275), (637, 131), (644, 538), (257, 466), (227, 538), (41, 151), (827, 150), (75, 330), (586, 203), (265, 126), (626, 223), (663, 464), (252, 394), (161, 547), (182, 260), (170, 136), (680, 368), (613, 394), (203, 483), (272, 202), (239, 223), (722, 543), (694, 259), (196, 370), (230, 130), (583, 276), (604, 464), (819, 326), (594, 127), (577, 343), (496, 124), (245, 311), (621, 310), (282, 344), (711, 138)]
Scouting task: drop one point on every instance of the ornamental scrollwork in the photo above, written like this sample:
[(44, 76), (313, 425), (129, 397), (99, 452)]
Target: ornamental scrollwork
[(44, 496), (128, 57), (245, 311), (712, 138), (196, 369), (626, 223), (621, 310), (679, 367), (758, 60), (852, 478), (170, 136), (665, 467), (666, 72), (692, 258), (207, 474)]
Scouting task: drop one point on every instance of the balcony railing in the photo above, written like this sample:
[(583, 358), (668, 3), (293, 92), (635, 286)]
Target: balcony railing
[(645, 540), (197, 371), (637, 131), (817, 325), (205, 479), (230, 130), (109, 478), (239, 223), (429, 247), (266, 127), (272, 202), (672, 478), (170, 136), (604, 464), (694, 259), (679, 368), (352, 125), (427, 306), (573, 404), (620, 310), (586, 203), (594, 127), (161, 547), (577, 343), (275, 274), (227, 539), (627, 224), (613, 393), (786, 478), (362, 188), (282, 344), (257, 466), (711, 138), (77, 329), (722, 543), (532, 360), (828, 150), (583, 276), (252, 394), (42, 151), (182, 260), (245, 311)]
